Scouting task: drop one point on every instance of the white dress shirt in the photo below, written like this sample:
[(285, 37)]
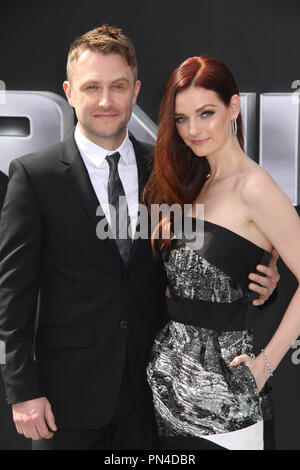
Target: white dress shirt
[(94, 158)]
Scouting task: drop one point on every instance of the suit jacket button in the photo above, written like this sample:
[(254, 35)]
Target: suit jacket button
[(123, 324)]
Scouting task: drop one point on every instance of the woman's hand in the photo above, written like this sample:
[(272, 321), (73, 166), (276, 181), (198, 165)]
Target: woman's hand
[(257, 367)]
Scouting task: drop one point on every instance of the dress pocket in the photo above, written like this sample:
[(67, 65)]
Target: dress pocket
[(240, 379), (252, 383)]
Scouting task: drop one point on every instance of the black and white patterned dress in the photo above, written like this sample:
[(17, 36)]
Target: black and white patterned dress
[(196, 394)]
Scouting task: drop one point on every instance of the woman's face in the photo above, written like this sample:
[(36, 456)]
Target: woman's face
[(202, 119)]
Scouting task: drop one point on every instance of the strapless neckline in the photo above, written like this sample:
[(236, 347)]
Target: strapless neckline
[(222, 228)]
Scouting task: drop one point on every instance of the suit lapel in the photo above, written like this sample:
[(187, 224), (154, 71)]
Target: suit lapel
[(76, 175), (142, 154)]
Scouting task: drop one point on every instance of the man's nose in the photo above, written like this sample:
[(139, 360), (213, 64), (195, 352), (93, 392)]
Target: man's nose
[(105, 100)]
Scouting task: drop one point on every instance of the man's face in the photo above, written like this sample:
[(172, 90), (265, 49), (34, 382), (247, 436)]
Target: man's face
[(103, 91)]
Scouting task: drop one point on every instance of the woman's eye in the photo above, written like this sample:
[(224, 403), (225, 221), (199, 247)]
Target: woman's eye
[(207, 113), (179, 120)]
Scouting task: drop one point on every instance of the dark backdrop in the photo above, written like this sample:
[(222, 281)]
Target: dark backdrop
[(258, 39)]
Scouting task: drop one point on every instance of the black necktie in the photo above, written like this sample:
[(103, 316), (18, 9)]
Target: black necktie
[(121, 218)]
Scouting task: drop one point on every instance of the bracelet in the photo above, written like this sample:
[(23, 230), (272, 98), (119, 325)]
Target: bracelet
[(267, 363)]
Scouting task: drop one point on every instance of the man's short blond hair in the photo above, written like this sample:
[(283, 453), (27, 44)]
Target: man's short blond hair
[(107, 40)]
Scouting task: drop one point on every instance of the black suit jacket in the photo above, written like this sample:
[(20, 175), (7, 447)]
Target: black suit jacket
[(58, 278), (3, 188)]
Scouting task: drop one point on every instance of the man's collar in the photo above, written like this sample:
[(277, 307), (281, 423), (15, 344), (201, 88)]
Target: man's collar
[(97, 154)]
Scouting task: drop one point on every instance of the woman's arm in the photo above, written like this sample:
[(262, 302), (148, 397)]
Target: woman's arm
[(273, 213)]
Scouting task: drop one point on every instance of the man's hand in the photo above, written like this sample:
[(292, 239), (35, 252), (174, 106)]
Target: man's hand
[(34, 419), (265, 285)]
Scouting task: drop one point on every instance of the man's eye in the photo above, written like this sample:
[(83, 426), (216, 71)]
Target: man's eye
[(91, 87), (118, 86)]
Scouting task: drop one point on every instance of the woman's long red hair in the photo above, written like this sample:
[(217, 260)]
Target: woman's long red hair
[(178, 175)]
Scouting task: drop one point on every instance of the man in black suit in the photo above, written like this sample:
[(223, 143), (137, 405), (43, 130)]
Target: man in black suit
[(99, 301)]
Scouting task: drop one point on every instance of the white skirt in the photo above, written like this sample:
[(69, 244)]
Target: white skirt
[(250, 438)]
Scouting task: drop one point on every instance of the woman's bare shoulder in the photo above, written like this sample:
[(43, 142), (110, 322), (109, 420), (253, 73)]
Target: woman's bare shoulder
[(256, 181)]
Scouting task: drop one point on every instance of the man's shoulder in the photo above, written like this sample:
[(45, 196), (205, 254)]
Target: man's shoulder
[(141, 148), (144, 153), (41, 156), (47, 158), (147, 148)]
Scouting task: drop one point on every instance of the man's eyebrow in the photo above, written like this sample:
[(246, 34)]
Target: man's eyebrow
[(88, 82), (197, 110), (121, 79), (96, 82)]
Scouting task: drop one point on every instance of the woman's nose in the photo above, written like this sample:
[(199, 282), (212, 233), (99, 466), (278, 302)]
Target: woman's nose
[(194, 128)]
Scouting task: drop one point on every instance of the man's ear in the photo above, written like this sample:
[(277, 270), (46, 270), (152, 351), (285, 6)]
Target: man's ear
[(68, 91), (136, 91)]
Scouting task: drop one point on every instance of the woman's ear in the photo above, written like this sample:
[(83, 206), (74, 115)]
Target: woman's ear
[(235, 106)]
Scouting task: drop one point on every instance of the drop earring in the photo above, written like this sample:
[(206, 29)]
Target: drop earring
[(234, 126)]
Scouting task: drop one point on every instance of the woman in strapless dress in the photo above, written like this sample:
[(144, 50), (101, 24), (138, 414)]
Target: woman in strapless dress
[(209, 389)]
